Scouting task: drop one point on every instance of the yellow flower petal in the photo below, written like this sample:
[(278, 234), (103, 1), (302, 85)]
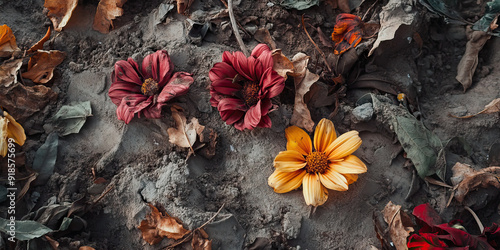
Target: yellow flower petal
[(298, 140), (15, 130), (343, 146), (333, 180), (351, 178), (314, 193), (324, 135), (289, 161), (3, 136), (283, 182), (350, 165)]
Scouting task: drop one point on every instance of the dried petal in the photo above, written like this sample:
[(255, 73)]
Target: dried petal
[(42, 64)]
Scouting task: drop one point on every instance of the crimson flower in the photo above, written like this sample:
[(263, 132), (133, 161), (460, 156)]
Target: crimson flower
[(145, 90), (242, 87)]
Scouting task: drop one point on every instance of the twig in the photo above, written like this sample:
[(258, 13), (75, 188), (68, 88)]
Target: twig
[(479, 224), (102, 195), (315, 45), (368, 10), (235, 28), (239, 24)]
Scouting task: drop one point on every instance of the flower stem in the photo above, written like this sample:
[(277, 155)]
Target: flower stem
[(235, 28)]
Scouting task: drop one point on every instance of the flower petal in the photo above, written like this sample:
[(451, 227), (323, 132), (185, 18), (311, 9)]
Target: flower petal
[(124, 71), (158, 66), (231, 104), (120, 89), (343, 146), (221, 71), (265, 122), (298, 140), (177, 86), (226, 87), (231, 116), (259, 49), (314, 193), (265, 106), (3, 136), (265, 58), (333, 180), (253, 115), (242, 65), (289, 161), (351, 178), (350, 165), (131, 105), (283, 182), (271, 83), (15, 130), (324, 135)]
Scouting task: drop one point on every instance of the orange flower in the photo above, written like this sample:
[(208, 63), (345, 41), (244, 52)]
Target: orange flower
[(9, 128), (331, 166), (347, 33)]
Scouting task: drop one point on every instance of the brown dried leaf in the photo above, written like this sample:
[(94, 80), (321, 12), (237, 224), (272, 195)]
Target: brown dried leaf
[(156, 226), (107, 10), (209, 139), (42, 64), (86, 248), (466, 179), (185, 133), (400, 225), (39, 44), (7, 41), (8, 71), (282, 65), (60, 12), (468, 63), (200, 240), (263, 36), (344, 6), (183, 5), (303, 79), (492, 107)]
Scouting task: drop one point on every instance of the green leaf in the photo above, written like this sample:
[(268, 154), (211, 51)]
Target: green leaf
[(492, 11), (24, 230), (422, 146), (299, 4), (444, 8), (65, 224), (70, 118), (45, 159)]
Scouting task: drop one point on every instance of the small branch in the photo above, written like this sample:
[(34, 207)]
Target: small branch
[(239, 24), (479, 224), (315, 45), (235, 28)]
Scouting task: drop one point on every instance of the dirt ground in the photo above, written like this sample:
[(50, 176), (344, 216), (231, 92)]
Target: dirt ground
[(145, 168)]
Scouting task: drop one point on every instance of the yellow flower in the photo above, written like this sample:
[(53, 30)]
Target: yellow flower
[(9, 128), (331, 166)]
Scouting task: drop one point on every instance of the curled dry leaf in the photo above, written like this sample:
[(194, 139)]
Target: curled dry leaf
[(60, 11), (156, 226), (39, 44), (183, 5), (200, 240), (42, 64), (8, 72), (466, 179), (467, 65), (7, 41), (107, 10), (492, 107), (400, 224), (263, 36), (185, 133), (281, 64), (303, 79)]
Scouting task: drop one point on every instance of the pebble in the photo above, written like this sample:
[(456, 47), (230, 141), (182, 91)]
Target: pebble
[(459, 111), (363, 113)]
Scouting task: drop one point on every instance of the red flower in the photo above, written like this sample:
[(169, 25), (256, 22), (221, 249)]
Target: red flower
[(242, 87), (145, 90)]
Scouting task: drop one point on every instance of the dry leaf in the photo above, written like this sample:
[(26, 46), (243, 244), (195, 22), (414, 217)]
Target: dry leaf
[(400, 225), (39, 44), (468, 63), (200, 240), (41, 65), (344, 5), (60, 11), (8, 72), (183, 5), (7, 41), (492, 107), (466, 179), (263, 36), (282, 65), (107, 10), (156, 226), (185, 133), (86, 248), (208, 138), (303, 79)]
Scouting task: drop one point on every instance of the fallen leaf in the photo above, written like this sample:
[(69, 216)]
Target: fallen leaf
[(263, 36), (489, 22), (446, 9), (400, 224), (466, 179), (60, 11), (7, 42), (208, 137), (53, 243), (200, 240), (86, 248), (467, 65), (298, 4), (107, 10), (156, 226), (185, 133), (70, 118), (183, 5), (492, 107), (303, 79), (281, 64), (318, 97), (39, 44), (45, 159), (25, 229), (8, 72), (42, 64)]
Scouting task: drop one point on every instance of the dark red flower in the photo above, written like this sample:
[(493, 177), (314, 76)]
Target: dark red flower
[(426, 241), (242, 87), (145, 90)]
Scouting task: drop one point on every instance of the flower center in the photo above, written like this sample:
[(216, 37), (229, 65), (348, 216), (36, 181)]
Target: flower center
[(150, 87), (251, 93), (317, 162)]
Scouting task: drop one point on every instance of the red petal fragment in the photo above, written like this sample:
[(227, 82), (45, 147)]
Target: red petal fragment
[(253, 116), (427, 214), (259, 49), (125, 71), (177, 86), (226, 87), (272, 83), (158, 66)]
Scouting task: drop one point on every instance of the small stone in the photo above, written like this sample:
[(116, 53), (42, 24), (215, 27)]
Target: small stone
[(75, 67), (251, 28), (363, 113), (459, 111), (291, 225), (408, 8), (269, 4)]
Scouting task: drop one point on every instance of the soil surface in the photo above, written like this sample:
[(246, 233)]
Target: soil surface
[(142, 166)]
